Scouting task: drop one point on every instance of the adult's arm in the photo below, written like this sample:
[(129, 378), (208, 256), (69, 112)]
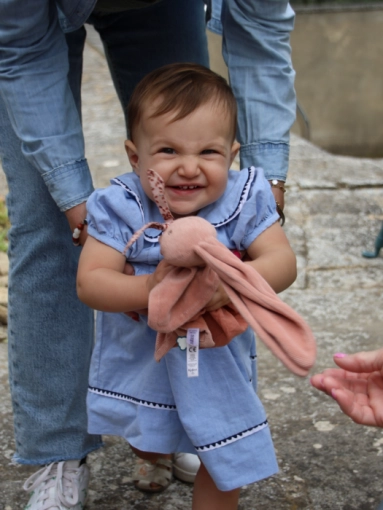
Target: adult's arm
[(33, 84), (256, 49)]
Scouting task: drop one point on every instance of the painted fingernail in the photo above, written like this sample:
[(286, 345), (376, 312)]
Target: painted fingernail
[(339, 355)]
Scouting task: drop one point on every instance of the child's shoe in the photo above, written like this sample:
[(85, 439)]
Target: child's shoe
[(149, 477), (185, 466)]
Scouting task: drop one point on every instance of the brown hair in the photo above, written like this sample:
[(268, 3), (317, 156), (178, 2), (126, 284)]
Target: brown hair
[(181, 88)]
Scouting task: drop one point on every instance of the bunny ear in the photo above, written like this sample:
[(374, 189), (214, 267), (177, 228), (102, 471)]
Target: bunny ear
[(157, 186), (280, 327), (136, 235)]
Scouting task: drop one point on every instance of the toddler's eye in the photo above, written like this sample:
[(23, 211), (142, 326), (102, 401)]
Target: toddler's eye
[(167, 150), (209, 151)]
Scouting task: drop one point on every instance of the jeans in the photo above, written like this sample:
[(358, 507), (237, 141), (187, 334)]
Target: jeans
[(50, 333)]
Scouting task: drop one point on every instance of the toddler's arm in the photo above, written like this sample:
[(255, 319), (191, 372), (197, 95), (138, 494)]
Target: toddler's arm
[(101, 283), (272, 256)]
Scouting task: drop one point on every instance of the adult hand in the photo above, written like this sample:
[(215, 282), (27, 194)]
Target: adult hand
[(278, 193), (357, 386), (75, 216)]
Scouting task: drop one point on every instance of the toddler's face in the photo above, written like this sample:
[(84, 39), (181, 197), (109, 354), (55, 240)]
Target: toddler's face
[(192, 155)]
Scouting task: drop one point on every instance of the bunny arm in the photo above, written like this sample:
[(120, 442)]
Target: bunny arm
[(180, 296)]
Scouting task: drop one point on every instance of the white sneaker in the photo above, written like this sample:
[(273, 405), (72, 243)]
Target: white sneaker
[(58, 486), (185, 466)]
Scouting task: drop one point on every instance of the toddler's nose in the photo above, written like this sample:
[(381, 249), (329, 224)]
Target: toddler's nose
[(189, 167)]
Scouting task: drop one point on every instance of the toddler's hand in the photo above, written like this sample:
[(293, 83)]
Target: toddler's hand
[(159, 274), (129, 269), (219, 299)]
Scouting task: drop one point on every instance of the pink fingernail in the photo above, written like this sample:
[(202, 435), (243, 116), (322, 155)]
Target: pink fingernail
[(339, 355), (333, 394)]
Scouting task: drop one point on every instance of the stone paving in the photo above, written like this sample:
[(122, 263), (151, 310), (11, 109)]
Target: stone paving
[(334, 211)]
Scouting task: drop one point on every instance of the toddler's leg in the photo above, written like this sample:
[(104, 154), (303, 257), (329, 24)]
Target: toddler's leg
[(206, 496), (150, 456)]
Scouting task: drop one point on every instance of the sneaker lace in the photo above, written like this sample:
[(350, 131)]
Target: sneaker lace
[(56, 485)]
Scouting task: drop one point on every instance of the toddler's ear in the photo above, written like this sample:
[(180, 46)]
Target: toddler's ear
[(234, 151), (132, 153)]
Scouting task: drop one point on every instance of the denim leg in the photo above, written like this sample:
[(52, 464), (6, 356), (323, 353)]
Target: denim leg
[(50, 333), (141, 40)]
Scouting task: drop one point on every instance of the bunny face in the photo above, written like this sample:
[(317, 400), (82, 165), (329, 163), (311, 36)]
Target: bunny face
[(192, 155), (182, 236)]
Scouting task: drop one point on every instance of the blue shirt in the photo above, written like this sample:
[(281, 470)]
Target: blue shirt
[(33, 84), (154, 405), (242, 213)]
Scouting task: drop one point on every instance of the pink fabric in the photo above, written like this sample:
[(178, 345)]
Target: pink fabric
[(216, 329), (177, 304), (280, 327), (181, 295)]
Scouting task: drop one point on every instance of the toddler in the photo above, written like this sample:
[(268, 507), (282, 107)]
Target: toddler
[(182, 124)]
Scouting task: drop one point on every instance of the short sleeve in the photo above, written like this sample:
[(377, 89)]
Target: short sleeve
[(113, 216), (257, 214)]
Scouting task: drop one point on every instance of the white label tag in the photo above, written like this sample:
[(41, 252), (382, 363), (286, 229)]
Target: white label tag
[(192, 347)]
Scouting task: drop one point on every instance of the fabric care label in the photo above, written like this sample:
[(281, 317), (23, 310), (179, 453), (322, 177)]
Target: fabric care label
[(192, 348)]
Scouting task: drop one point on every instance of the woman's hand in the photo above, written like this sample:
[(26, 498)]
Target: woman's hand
[(279, 194), (75, 216), (357, 386)]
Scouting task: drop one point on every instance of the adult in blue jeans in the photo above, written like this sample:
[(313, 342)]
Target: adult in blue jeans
[(42, 152)]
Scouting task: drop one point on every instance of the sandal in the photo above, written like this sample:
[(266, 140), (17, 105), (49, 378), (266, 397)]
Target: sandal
[(150, 477)]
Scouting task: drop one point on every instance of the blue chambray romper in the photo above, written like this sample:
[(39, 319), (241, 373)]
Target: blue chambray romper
[(155, 406)]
